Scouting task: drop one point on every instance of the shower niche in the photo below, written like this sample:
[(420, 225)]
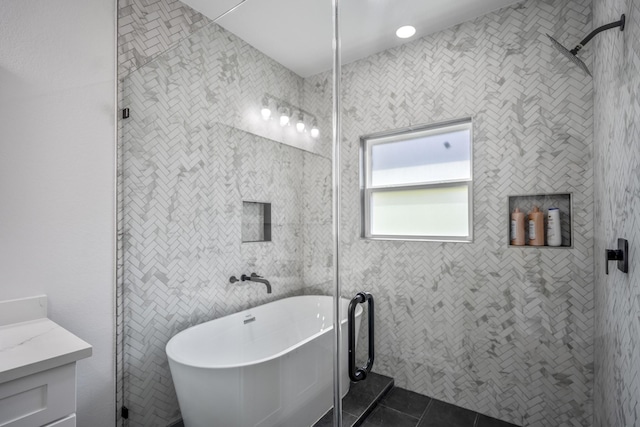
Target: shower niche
[(256, 222), (526, 203)]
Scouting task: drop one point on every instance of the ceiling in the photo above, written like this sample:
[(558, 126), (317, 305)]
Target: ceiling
[(298, 33)]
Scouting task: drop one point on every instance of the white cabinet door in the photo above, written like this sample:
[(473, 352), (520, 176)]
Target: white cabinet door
[(39, 399)]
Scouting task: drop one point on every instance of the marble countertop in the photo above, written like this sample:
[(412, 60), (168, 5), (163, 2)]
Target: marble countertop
[(36, 345)]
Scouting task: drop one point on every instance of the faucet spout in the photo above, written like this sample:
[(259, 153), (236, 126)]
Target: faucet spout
[(255, 278)]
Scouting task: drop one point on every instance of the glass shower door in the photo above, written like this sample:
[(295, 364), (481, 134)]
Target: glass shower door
[(473, 124), (227, 223), (244, 183)]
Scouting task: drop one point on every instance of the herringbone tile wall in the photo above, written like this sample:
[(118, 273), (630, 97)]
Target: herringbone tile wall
[(186, 166), (506, 332), (317, 231), (616, 73), (503, 331), (148, 28), (182, 227)]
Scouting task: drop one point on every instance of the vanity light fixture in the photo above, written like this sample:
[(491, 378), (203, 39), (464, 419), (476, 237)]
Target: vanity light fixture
[(286, 114), (406, 31)]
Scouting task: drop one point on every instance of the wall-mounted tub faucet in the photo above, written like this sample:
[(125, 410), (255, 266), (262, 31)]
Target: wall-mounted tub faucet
[(255, 278)]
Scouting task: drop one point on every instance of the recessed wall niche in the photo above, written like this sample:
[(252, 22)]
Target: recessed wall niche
[(526, 203), (256, 222)]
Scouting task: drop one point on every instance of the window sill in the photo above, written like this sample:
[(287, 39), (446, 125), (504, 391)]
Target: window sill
[(417, 239)]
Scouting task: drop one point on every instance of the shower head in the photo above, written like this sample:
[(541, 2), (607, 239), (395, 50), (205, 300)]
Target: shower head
[(572, 54)]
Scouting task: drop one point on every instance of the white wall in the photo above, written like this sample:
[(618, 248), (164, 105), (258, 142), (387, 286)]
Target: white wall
[(57, 175)]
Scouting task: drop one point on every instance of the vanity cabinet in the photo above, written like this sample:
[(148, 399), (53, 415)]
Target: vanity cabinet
[(40, 399), (38, 372)]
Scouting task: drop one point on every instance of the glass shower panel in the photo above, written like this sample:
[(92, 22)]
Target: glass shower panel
[(402, 178), (234, 108), (216, 330), (471, 322)]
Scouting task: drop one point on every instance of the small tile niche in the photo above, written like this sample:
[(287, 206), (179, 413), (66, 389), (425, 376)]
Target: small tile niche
[(256, 222), (562, 201)]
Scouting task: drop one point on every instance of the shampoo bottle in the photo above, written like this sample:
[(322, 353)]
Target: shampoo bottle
[(517, 228), (554, 237), (536, 227)]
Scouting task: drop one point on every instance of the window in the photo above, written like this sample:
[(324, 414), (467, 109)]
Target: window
[(417, 183)]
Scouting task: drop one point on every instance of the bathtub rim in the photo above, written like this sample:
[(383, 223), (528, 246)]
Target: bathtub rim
[(171, 354)]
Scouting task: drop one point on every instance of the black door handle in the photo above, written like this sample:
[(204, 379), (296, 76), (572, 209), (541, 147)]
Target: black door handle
[(360, 373)]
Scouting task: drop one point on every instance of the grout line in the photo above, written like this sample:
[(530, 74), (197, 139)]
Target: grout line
[(426, 409), (350, 413), (399, 411), (360, 419), (417, 420), (383, 393)]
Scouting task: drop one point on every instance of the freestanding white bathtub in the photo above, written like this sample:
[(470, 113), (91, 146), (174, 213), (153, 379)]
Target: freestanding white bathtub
[(276, 370)]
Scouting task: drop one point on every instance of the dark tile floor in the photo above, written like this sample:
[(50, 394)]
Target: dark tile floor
[(380, 404), (376, 402), (360, 401)]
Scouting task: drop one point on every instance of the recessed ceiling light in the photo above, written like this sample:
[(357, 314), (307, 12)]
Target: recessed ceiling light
[(405, 32)]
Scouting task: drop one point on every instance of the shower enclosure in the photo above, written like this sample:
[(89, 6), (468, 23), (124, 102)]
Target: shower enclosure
[(305, 143), (226, 163)]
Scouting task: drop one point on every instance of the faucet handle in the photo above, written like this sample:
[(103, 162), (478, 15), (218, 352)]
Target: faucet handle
[(621, 255), (233, 279), (255, 275)]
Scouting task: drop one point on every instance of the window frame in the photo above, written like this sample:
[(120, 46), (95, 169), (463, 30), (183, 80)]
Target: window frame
[(366, 190)]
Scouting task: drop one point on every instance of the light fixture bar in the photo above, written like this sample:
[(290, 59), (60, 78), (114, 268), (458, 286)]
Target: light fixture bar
[(285, 110)]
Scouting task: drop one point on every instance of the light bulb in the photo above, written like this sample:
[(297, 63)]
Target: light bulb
[(315, 132), (265, 111), (284, 116), (300, 124), (405, 32)]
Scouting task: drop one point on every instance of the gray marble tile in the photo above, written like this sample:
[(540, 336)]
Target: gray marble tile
[(384, 416), (327, 420), (362, 396), (374, 385), (406, 401), (616, 71), (442, 414), (506, 332), (484, 421)]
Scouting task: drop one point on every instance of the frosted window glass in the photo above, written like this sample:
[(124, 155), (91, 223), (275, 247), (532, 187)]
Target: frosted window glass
[(422, 212), (432, 158)]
